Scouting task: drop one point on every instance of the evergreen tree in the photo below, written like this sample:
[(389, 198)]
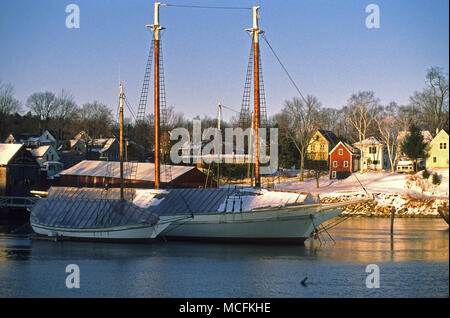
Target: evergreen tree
[(414, 146)]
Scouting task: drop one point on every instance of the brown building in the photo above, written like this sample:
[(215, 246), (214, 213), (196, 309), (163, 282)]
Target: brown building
[(95, 173), (19, 171)]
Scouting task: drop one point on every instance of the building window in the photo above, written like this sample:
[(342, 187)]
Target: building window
[(345, 164), (333, 174), (335, 164), (322, 147), (372, 149), (313, 147), (443, 145), (434, 159), (341, 152)]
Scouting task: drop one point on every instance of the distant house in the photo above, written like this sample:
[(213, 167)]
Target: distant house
[(19, 171), (321, 144), (82, 135), (48, 158), (47, 139), (438, 154), (10, 139), (30, 140), (374, 155), (344, 160), (110, 149), (97, 173), (77, 146)]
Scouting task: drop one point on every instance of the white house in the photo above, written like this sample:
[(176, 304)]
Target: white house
[(373, 154), (48, 158), (47, 139)]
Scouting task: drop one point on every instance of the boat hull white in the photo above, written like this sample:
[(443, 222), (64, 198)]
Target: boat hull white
[(284, 225), (137, 232)]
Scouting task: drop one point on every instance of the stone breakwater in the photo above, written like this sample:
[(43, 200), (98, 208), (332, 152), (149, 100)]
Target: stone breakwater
[(404, 205)]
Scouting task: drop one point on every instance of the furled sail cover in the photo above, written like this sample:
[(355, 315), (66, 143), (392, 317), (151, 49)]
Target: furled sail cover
[(82, 213)]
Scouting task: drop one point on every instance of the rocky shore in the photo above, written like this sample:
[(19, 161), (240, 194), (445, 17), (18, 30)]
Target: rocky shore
[(405, 206)]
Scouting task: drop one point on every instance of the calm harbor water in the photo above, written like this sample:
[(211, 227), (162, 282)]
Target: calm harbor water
[(414, 264)]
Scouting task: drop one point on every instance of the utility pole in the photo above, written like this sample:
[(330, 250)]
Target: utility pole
[(255, 31), (156, 28), (121, 141)]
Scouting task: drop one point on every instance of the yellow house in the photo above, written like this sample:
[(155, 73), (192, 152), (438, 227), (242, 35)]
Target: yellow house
[(438, 153), (321, 144)]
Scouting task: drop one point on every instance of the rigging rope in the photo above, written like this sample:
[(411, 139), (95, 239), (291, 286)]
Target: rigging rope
[(284, 68), (206, 7), (127, 103)]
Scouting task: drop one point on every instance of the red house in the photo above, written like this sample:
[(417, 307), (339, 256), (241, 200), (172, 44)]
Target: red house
[(344, 159)]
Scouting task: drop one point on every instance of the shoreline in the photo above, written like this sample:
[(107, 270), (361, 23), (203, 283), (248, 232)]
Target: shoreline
[(406, 206)]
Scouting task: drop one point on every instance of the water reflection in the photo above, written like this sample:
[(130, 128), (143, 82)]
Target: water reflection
[(180, 269), (368, 240)]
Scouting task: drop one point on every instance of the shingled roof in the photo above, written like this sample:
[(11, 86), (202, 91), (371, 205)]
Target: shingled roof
[(329, 136)]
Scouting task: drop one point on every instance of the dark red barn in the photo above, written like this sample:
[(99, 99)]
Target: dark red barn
[(344, 159)]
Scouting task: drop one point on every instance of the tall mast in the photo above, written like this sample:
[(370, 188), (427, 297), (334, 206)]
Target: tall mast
[(156, 28), (121, 141), (255, 31), (219, 118)]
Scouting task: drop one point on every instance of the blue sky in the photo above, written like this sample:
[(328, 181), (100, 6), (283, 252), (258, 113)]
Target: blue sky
[(324, 44)]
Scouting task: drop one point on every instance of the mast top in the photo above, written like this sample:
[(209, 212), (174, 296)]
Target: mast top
[(155, 26), (255, 30)]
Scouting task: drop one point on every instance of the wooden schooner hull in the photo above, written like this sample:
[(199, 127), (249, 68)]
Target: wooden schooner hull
[(137, 232), (292, 224)]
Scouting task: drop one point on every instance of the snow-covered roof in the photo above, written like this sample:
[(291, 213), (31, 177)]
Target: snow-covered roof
[(81, 134), (108, 144), (368, 142), (145, 170), (8, 151), (52, 162), (10, 139), (40, 151)]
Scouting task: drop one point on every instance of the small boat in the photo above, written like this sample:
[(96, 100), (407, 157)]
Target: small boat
[(443, 211)]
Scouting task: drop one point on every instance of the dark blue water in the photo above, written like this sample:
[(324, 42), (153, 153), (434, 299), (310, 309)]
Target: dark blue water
[(413, 264)]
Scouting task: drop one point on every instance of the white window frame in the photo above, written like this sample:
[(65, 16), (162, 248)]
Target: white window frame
[(335, 164), (341, 152), (345, 164), (333, 174)]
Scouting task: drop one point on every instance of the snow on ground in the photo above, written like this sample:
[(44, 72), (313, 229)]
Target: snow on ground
[(408, 194), (372, 181)]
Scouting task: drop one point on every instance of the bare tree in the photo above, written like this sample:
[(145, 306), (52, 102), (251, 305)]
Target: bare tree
[(299, 124), (8, 106), (43, 105), (360, 112), (388, 129), (96, 119), (433, 100), (66, 106)]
